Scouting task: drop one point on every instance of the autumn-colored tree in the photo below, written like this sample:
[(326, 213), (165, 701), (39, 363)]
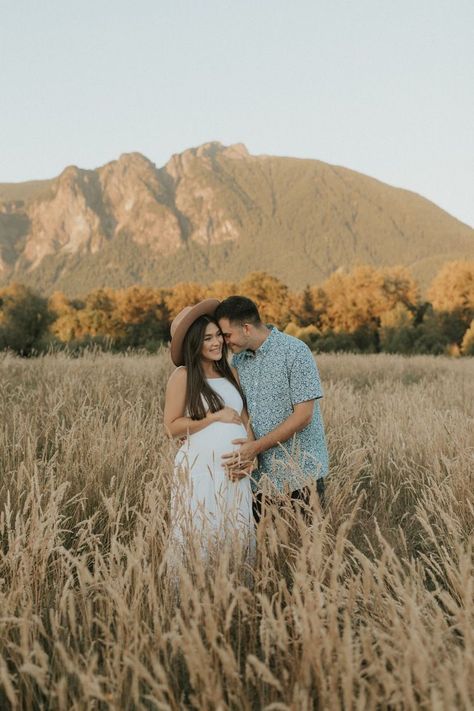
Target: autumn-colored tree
[(65, 324), (452, 290), (270, 295), (396, 331), (184, 294), (364, 310), (398, 316), (135, 304), (307, 308), (59, 303), (467, 347), (359, 298), (221, 290), (145, 317), (307, 334), (399, 287), (136, 317), (99, 316)]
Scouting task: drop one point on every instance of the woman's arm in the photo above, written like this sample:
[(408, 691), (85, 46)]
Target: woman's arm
[(240, 472), (246, 423), (176, 423), (244, 414)]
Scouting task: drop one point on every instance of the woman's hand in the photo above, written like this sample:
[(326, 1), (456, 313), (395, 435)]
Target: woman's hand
[(227, 415)]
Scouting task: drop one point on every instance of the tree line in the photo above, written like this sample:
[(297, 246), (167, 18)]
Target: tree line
[(365, 310)]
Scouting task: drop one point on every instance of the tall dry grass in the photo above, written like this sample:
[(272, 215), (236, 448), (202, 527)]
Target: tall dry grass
[(369, 607)]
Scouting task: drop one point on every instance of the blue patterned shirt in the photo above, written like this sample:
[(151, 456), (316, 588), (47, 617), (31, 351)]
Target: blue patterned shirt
[(281, 374)]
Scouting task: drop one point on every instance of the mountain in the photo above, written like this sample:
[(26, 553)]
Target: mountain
[(215, 212)]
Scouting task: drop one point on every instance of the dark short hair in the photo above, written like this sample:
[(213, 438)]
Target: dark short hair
[(238, 308)]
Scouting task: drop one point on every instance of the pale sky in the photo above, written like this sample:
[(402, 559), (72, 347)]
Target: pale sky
[(385, 87)]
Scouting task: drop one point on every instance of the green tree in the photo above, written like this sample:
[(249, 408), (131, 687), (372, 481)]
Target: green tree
[(307, 334), (308, 307), (24, 320)]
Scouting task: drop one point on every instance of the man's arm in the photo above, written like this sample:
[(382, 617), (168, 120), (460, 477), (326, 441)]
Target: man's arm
[(305, 388), (297, 421), (244, 414)]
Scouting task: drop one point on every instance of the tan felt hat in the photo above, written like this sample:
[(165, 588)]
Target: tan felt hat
[(182, 322)]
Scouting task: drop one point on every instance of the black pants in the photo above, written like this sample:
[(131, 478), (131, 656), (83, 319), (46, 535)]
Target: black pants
[(299, 495)]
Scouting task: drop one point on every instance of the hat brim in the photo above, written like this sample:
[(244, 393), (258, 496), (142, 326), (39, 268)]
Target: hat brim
[(203, 308)]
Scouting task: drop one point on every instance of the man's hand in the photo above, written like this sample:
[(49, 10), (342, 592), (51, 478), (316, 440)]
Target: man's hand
[(236, 475), (242, 472), (243, 456)]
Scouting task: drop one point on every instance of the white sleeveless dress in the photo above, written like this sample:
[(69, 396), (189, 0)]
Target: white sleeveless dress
[(204, 501)]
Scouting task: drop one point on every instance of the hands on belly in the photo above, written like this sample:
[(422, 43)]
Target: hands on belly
[(242, 462)]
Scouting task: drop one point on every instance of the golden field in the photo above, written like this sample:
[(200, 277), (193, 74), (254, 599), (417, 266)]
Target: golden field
[(369, 607)]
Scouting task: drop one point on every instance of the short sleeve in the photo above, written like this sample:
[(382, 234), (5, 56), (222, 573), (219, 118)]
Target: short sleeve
[(305, 383)]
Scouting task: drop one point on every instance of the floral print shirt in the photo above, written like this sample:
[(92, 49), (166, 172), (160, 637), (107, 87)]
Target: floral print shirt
[(277, 376)]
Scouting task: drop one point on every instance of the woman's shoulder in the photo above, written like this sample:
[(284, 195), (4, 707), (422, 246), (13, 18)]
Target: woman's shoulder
[(178, 376)]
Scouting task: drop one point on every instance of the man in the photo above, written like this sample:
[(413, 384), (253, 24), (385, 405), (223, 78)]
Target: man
[(281, 383)]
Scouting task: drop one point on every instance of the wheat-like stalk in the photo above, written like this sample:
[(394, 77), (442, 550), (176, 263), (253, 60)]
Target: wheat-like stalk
[(368, 605)]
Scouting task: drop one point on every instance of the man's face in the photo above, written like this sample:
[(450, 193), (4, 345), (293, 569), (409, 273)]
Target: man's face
[(235, 335)]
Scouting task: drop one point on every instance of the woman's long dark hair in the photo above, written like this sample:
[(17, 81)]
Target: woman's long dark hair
[(197, 387)]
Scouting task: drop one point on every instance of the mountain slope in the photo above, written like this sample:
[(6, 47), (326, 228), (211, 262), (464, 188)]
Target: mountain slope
[(215, 213)]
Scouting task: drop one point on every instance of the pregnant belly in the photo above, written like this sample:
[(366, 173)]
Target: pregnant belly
[(204, 449)]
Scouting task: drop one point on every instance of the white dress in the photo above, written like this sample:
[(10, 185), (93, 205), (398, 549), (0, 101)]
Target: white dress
[(204, 501)]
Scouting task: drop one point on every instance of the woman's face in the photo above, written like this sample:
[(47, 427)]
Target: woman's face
[(213, 343)]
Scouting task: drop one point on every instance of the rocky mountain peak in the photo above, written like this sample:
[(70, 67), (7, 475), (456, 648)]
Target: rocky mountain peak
[(182, 163), (209, 214), (237, 150), (133, 161)]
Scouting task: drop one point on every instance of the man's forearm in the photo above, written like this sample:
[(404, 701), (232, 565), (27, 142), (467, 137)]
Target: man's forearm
[(298, 420), (294, 423)]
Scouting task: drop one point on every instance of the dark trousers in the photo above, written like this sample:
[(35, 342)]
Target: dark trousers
[(299, 496)]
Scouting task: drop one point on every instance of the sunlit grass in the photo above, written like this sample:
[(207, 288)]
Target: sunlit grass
[(370, 607)]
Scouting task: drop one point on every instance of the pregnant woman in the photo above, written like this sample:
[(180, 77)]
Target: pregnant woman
[(205, 406)]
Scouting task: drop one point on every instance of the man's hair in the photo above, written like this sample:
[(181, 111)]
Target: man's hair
[(238, 309)]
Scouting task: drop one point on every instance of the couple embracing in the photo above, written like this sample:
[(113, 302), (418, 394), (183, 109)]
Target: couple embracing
[(251, 429)]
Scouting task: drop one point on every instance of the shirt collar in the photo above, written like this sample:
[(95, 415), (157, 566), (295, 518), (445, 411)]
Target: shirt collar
[(266, 344)]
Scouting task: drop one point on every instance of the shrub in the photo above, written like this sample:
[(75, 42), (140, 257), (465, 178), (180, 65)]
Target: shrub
[(467, 347), (24, 319)]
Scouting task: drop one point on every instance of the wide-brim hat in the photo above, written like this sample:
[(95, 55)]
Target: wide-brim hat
[(182, 322)]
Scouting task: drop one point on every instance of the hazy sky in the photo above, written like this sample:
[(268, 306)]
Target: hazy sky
[(385, 87)]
